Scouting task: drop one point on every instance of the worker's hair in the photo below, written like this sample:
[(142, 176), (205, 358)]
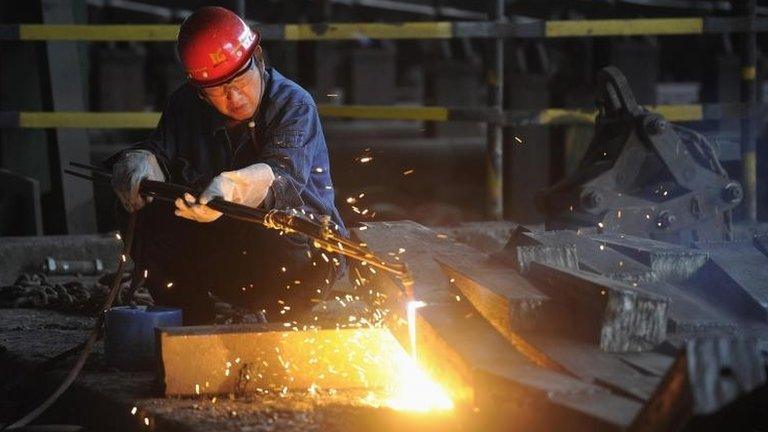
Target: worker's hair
[(259, 57)]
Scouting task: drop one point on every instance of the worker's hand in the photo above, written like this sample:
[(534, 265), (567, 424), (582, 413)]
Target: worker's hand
[(190, 208), (248, 186), (127, 174)]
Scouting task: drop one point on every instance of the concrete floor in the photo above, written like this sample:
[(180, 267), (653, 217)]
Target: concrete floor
[(102, 398)]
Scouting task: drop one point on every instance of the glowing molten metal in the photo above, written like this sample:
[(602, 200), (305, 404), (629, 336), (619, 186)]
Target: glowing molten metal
[(413, 390)]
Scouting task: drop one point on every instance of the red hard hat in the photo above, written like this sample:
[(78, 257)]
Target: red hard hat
[(214, 43)]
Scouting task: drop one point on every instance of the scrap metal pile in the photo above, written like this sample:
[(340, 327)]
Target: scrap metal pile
[(634, 310), (73, 294)]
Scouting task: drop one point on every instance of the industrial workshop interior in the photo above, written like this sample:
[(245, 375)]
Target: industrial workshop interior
[(383, 215)]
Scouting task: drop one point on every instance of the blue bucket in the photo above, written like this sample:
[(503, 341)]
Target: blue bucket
[(129, 334)]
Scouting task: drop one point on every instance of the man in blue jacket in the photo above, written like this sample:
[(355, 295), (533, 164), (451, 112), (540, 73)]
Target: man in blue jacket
[(240, 131)]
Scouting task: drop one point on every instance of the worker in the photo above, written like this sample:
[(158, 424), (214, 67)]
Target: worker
[(237, 130)]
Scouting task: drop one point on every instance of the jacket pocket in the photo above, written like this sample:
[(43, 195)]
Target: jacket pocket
[(286, 138)]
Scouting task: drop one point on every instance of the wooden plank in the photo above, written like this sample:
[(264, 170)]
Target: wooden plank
[(247, 358), (614, 315), (462, 350)]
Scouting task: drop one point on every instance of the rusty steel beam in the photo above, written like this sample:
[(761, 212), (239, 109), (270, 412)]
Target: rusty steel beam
[(649, 266), (459, 348), (707, 375), (669, 262), (530, 322), (270, 357), (615, 315)]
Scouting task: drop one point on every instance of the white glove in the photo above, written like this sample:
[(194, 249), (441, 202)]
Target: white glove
[(248, 186), (127, 174)]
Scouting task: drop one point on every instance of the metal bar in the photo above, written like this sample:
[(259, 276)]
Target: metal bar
[(749, 97), (495, 132), (415, 8), (86, 120), (97, 169), (353, 31), (165, 13), (385, 112), (399, 30), (323, 234), (98, 32), (733, 25), (546, 117), (619, 27), (329, 358)]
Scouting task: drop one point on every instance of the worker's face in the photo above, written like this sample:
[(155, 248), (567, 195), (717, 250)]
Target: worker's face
[(238, 98)]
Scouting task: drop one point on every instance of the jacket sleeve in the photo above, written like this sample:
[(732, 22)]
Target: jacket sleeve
[(162, 142), (288, 148)]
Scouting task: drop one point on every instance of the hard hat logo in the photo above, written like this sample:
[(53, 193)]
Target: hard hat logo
[(214, 44), (218, 57)]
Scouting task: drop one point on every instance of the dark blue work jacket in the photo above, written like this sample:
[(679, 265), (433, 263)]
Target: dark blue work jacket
[(193, 145)]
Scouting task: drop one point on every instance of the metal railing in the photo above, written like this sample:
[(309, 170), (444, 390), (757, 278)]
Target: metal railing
[(498, 30), (530, 29), (510, 118)]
